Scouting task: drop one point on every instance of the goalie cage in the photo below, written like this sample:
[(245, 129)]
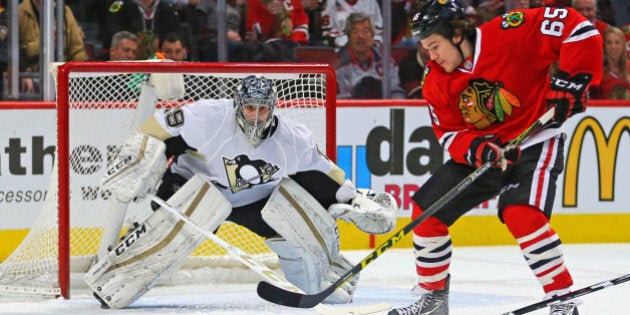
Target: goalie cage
[(97, 108)]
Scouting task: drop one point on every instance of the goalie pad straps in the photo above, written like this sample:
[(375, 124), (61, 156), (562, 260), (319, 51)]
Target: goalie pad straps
[(309, 247), (137, 168), (158, 246), (372, 212)]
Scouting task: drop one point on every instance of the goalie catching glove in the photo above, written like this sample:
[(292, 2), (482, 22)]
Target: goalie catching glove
[(372, 212), (137, 168), (568, 94)]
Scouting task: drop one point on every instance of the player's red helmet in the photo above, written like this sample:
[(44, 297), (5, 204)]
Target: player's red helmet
[(435, 16)]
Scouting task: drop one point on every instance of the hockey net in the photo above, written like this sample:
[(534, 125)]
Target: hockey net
[(99, 105)]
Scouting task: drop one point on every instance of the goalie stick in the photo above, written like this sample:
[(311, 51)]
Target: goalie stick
[(569, 296), (265, 271), (285, 297)]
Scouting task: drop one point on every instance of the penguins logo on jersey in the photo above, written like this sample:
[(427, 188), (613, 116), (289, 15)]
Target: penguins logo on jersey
[(483, 103), (243, 173), (512, 19)]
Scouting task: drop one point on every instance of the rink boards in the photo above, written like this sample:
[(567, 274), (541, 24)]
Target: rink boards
[(384, 145)]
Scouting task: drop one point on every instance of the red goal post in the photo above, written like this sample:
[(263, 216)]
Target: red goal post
[(98, 105)]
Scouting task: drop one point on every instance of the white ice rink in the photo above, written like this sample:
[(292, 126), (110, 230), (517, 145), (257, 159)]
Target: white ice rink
[(485, 280)]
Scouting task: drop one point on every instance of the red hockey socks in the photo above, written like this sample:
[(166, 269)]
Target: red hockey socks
[(432, 248), (539, 244)]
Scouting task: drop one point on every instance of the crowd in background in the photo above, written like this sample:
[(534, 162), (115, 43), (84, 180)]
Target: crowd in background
[(347, 33)]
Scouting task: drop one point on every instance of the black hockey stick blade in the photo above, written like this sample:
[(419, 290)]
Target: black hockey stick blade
[(284, 297), (569, 296), (281, 296)]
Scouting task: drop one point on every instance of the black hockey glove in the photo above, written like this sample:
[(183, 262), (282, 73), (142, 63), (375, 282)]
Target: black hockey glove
[(482, 151), (568, 94)]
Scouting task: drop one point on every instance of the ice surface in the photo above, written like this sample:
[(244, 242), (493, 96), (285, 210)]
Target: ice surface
[(485, 280)]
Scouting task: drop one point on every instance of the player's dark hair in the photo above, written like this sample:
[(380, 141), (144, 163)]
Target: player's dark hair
[(464, 26)]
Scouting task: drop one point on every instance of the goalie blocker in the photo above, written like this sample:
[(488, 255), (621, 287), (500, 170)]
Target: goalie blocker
[(137, 168)]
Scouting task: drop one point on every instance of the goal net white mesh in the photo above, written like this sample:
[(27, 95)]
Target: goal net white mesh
[(99, 105)]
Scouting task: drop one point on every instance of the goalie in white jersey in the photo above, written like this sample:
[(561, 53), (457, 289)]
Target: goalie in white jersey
[(250, 158)]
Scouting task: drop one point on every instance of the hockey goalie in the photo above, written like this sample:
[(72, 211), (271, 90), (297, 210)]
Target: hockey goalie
[(234, 160)]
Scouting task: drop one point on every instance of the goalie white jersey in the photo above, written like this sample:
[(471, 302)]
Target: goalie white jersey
[(243, 173)]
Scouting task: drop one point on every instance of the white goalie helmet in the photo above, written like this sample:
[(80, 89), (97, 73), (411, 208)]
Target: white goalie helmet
[(254, 103)]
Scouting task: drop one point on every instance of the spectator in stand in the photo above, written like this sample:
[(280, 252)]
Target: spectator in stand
[(522, 4), (616, 81), (606, 11), (150, 20), (314, 10), (172, 48), (489, 9), (29, 39), (401, 24), (278, 25), (556, 3), (411, 71), (334, 20), (626, 31), (124, 46), (182, 4), (205, 29), (277, 20), (359, 71), (588, 9)]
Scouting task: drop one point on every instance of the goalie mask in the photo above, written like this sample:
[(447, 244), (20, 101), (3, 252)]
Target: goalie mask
[(254, 103)]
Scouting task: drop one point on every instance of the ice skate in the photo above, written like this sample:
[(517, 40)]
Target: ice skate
[(564, 308), (431, 303)]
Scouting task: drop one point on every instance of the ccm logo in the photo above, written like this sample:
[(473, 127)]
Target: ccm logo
[(130, 239)]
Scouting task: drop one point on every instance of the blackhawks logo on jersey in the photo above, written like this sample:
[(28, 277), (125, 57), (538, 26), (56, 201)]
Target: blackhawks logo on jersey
[(483, 103), (512, 19), (243, 173)]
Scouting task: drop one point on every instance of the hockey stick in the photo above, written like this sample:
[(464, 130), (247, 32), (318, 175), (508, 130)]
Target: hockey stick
[(265, 271), (281, 296), (569, 296)]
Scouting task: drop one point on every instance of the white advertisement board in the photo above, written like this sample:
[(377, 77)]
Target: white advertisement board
[(393, 149), (390, 148)]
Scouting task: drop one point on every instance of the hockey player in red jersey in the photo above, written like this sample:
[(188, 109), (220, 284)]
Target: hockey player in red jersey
[(483, 86), (273, 19)]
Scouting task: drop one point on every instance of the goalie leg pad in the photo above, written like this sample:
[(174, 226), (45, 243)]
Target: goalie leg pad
[(311, 241), (137, 168), (299, 269), (158, 246)]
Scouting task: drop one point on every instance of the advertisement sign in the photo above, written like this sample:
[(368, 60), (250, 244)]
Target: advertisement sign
[(393, 149), (27, 152), (388, 148)]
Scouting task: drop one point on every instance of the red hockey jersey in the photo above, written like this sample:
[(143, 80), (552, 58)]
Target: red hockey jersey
[(260, 21), (502, 89)]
